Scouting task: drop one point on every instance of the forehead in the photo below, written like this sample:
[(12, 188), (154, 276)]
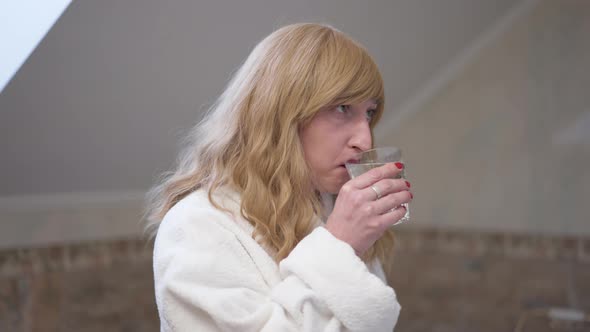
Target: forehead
[(367, 103), (373, 101)]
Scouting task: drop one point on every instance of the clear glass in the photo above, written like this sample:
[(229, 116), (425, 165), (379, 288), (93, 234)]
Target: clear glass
[(373, 158)]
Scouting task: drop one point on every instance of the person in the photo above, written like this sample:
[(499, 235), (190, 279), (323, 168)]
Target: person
[(260, 228)]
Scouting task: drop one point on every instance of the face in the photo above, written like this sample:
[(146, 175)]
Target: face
[(335, 135)]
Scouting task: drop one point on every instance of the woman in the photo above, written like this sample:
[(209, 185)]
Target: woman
[(250, 237)]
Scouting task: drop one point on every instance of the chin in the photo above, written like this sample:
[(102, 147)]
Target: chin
[(332, 185), (334, 188)]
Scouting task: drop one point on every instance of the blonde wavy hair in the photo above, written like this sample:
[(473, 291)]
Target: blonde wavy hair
[(249, 139)]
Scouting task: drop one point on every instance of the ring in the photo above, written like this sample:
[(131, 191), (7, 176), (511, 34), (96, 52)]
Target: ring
[(376, 192)]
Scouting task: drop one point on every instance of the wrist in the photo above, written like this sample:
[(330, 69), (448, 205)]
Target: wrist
[(335, 232)]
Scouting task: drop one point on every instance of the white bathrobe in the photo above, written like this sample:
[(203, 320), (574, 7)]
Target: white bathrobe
[(210, 275)]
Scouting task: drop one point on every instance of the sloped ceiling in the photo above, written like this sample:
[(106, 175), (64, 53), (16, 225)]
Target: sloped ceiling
[(103, 101)]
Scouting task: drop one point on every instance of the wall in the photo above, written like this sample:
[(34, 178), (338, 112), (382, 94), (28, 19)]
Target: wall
[(96, 113), (103, 101), (505, 145), (445, 281), (501, 149)]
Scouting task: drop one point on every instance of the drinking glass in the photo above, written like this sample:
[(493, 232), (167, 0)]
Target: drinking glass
[(376, 157)]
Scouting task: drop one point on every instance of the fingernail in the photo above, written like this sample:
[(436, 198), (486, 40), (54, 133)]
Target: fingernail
[(411, 195), (399, 165), (408, 184)]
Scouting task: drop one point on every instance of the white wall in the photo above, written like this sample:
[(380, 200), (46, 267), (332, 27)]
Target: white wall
[(505, 145), (23, 24), (103, 101), (98, 109)]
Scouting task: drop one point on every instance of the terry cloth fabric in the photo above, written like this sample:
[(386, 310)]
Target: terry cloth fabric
[(211, 275)]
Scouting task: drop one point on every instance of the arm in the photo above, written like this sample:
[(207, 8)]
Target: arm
[(359, 299), (210, 283)]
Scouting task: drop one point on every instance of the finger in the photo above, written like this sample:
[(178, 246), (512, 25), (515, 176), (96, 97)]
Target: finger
[(389, 186), (391, 201), (383, 188), (391, 218), (389, 170)]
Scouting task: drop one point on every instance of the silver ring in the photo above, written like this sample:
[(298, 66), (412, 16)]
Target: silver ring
[(376, 192)]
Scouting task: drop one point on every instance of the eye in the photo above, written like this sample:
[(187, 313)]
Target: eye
[(370, 114), (343, 109)]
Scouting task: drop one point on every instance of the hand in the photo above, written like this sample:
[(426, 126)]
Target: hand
[(361, 215)]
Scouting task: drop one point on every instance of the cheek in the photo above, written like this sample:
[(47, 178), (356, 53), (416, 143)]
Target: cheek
[(313, 155), (320, 158), (323, 141), (323, 152), (313, 139)]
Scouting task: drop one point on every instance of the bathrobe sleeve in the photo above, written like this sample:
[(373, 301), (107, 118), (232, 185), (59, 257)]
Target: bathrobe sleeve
[(206, 280)]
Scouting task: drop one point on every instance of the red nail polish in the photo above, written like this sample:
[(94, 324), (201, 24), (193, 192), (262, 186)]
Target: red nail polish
[(408, 184), (399, 165), (411, 196)]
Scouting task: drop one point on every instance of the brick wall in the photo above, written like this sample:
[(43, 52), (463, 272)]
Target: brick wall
[(445, 280)]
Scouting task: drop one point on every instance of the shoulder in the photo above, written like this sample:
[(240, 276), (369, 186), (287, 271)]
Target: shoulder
[(193, 224), (200, 244), (194, 215), (195, 232)]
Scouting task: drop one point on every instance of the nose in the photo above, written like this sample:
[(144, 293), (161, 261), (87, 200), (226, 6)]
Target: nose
[(361, 138)]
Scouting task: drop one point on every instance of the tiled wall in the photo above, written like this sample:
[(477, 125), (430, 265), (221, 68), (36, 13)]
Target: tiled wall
[(445, 281)]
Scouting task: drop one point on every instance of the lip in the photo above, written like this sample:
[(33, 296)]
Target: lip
[(352, 161), (343, 170)]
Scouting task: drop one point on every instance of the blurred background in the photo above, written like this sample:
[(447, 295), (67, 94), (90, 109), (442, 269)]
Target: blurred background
[(489, 100)]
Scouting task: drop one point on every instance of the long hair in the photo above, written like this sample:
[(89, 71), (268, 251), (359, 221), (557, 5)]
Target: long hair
[(249, 139)]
